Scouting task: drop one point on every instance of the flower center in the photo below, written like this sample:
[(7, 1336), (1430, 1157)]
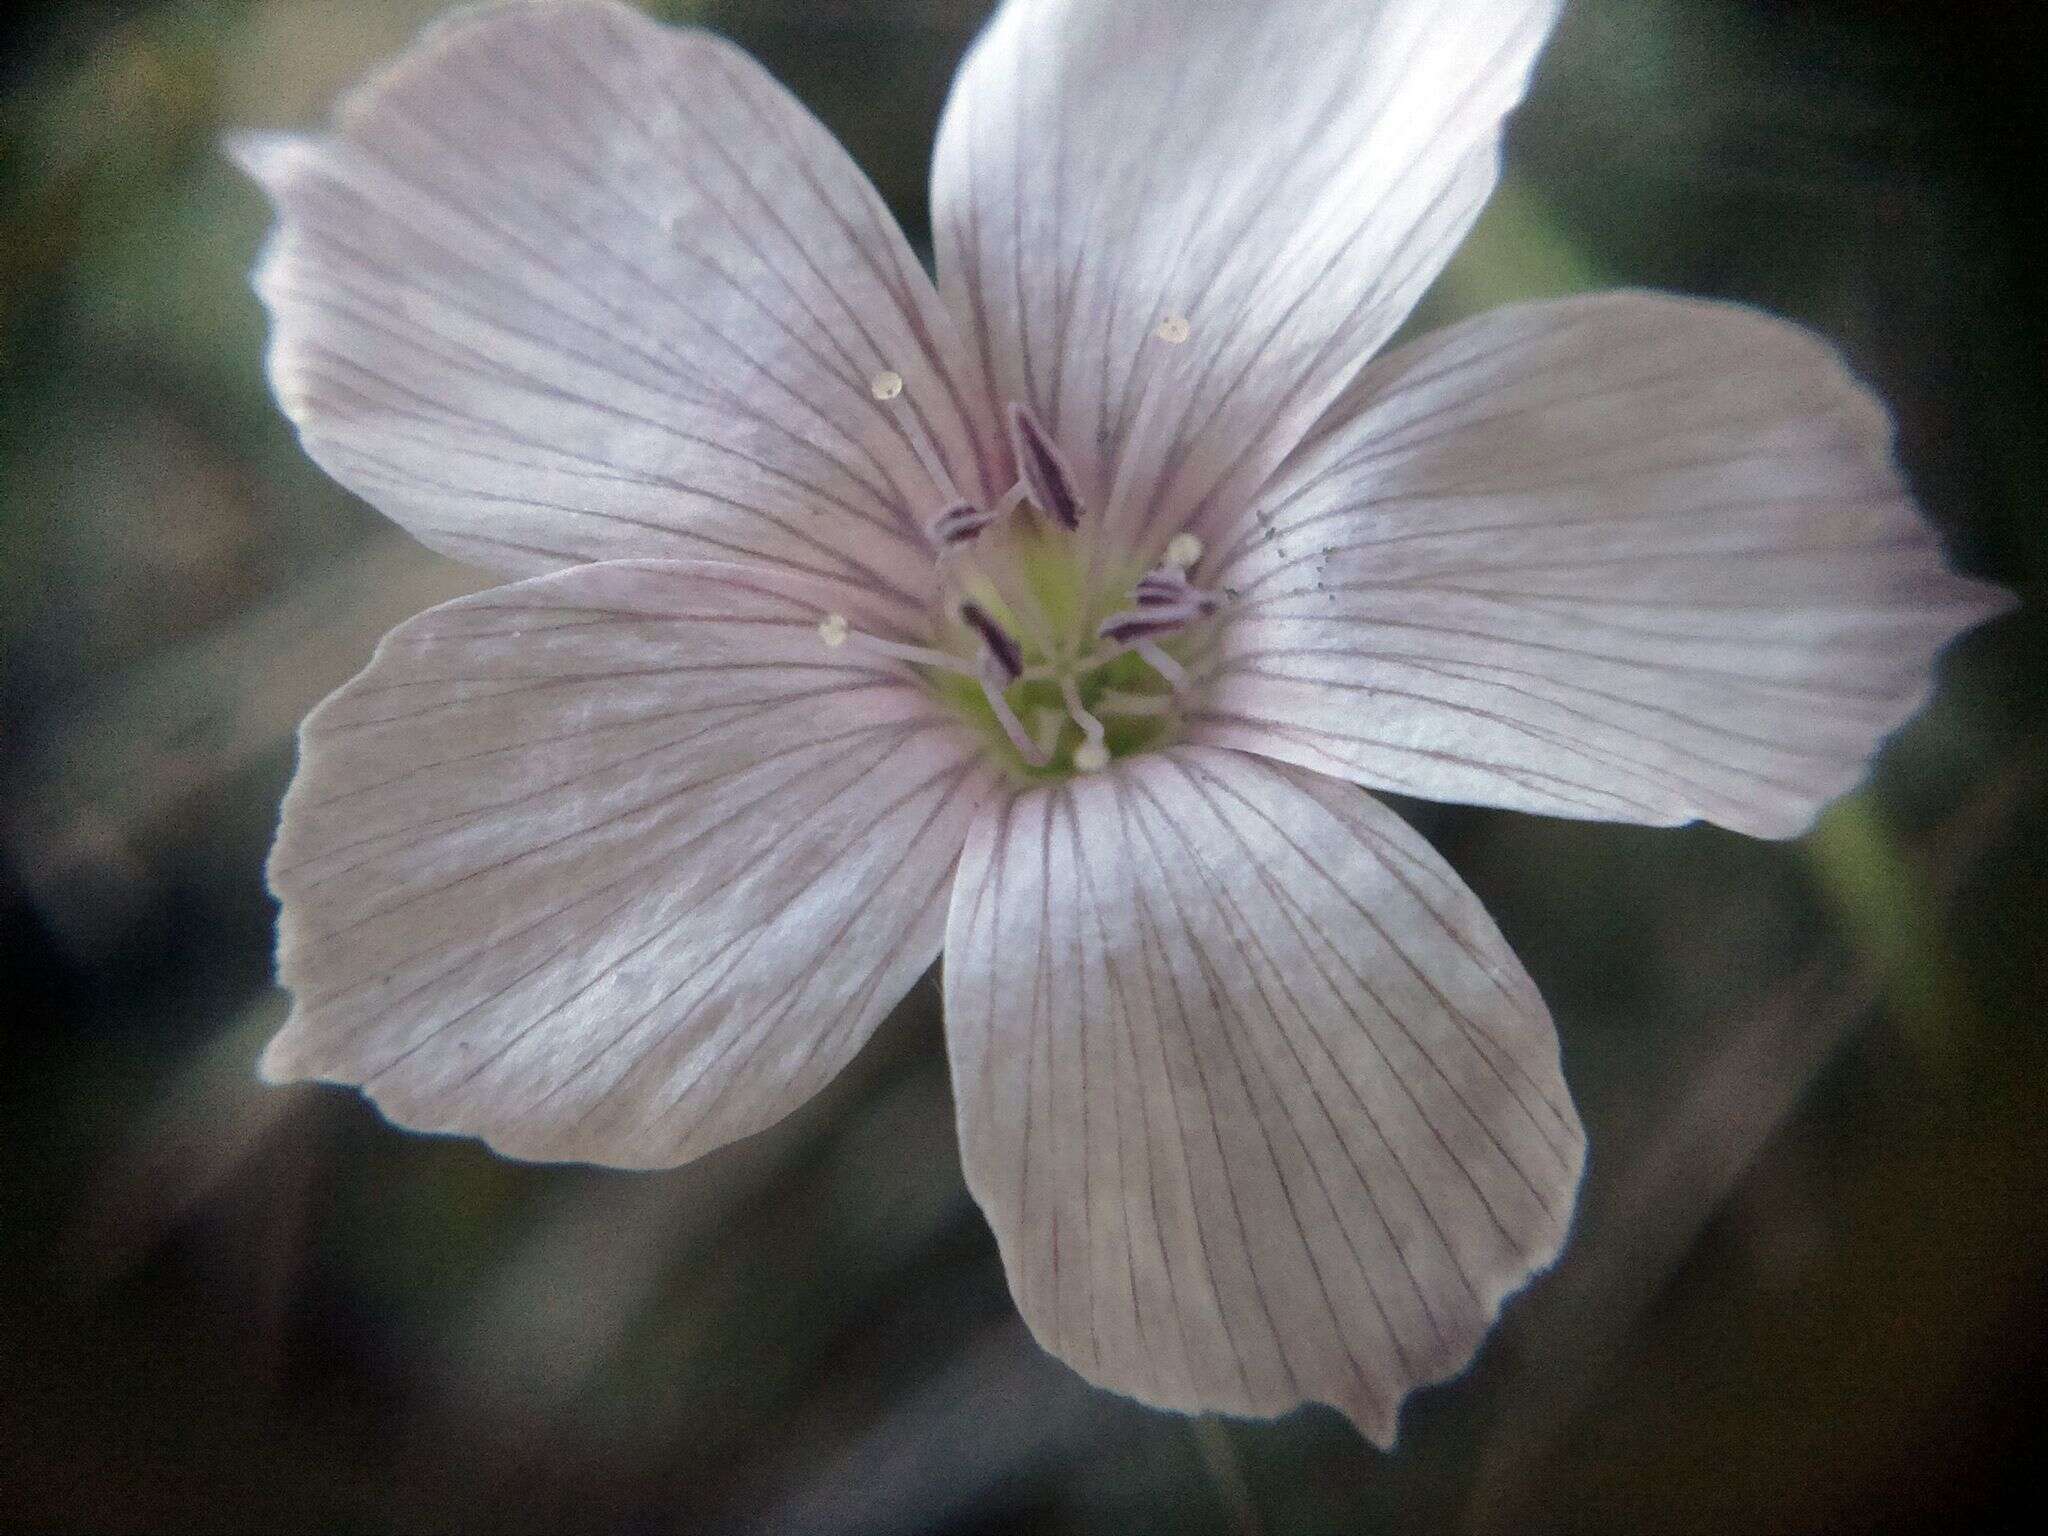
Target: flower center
[(1064, 652), (1062, 683)]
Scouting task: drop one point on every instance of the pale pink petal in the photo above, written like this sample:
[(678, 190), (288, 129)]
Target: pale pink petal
[(617, 864), (1261, 1107), (1625, 557), (1176, 228), (566, 285)]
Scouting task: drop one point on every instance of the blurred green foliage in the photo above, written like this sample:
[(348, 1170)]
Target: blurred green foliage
[(1807, 1287)]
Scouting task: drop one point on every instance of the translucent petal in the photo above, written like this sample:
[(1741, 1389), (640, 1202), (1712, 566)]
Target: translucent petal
[(1176, 228), (617, 864), (1627, 557), (565, 285), (1259, 1104)]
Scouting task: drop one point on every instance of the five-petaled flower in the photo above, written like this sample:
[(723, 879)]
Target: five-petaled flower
[(1051, 616)]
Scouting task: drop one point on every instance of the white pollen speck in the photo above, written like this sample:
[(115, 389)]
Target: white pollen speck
[(833, 630), (887, 384), (1174, 330), (1091, 757), (1184, 551)]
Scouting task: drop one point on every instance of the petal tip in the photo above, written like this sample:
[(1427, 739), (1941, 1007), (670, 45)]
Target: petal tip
[(281, 1061), (1379, 1425), (1986, 602), (263, 156)]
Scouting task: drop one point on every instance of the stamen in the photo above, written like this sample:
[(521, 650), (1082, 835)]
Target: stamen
[(1002, 649), (887, 386), (959, 525), (1166, 601), (1127, 629), (837, 633), (1041, 467), (1013, 728), (1174, 330), (1160, 588), (1184, 552), (1017, 496)]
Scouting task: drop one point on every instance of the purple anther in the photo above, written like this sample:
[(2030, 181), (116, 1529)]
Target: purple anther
[(1042, 468), (1129, 627), (959, 525), (1002, 649), (1159, 588), (1165, 601)]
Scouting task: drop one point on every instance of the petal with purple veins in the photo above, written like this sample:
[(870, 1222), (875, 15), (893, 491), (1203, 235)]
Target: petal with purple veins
[(565, 285), (1626, 557), (1174, 229), (613, 865), (1260, 1106)]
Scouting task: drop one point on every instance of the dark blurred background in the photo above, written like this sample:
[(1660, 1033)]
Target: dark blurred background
[(1809, 1285)]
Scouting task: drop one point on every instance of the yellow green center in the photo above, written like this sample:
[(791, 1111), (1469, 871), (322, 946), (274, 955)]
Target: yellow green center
[(1040, 595)]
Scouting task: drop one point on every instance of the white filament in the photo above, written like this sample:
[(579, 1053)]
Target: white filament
[(888, 387), (1013, 728), (1162, 663), (1016, 497), (837, 633)]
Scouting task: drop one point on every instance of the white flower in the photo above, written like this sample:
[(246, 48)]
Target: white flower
[(1048, 617)]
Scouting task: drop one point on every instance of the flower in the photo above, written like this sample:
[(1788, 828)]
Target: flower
[(1050, 617)]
